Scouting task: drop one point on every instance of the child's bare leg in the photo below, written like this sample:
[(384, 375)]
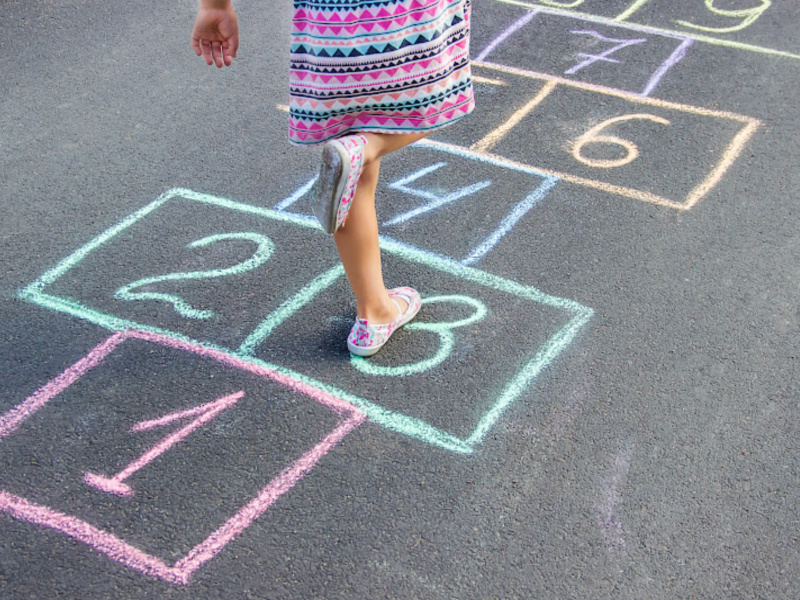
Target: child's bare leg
[(381, 144), (357, 239), (357, 242)]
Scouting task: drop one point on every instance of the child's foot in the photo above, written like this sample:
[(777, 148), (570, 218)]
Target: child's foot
[(332, 196), (366, 339)]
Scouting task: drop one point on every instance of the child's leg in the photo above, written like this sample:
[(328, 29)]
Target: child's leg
[(381, 144), (357, 240)]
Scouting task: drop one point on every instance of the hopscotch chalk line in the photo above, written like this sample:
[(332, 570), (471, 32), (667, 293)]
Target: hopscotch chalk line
[(490, 241), (729, 155), (714, 41), (579, 315), (673, 59), (115, 547)]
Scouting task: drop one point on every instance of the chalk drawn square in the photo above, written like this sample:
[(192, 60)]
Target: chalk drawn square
[(755, 27), (762, 27), (433, 187), (438, 384), (190, 267), (593, 51), (303, 234), (79, 413), (747, 26), (650, 150)]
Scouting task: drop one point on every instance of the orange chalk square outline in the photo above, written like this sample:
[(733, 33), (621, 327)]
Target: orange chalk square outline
[(729, 155)]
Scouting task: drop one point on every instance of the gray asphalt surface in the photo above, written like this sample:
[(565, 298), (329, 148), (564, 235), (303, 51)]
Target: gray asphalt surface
[(621, 421)]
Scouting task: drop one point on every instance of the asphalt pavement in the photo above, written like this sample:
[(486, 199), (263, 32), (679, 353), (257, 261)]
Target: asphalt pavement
[(598, 399)]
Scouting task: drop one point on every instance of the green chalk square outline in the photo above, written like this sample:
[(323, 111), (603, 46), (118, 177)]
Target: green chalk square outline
[(399, 422)]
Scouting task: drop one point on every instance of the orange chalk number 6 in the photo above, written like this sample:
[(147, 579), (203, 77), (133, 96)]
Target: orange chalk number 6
[(594, 136)]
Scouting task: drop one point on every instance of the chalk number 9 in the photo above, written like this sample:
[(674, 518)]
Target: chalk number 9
[(748, 16)]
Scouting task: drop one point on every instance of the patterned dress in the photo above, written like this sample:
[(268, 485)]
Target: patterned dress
[(385, 66)]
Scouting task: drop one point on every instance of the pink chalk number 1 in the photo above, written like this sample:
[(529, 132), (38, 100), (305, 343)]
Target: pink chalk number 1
[(204, 413)]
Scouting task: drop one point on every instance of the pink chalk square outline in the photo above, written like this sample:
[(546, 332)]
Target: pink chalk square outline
[(116, 548)]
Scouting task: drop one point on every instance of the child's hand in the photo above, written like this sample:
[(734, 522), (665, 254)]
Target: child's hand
[(215, 36)]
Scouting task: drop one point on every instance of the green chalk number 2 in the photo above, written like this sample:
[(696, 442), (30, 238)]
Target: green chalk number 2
[(264, 250), (443, 329)]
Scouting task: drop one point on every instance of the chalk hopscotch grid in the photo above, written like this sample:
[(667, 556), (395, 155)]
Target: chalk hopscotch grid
[(674, 58), (116, 548), (482, 147), (626, 15), (394, 421)]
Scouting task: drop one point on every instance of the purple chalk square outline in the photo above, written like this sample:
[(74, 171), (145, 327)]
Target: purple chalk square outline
[(651, 85), (116, 548)]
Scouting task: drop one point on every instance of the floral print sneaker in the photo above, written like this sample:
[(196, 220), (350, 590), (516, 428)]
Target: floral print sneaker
[(342, 161), (366, 339)]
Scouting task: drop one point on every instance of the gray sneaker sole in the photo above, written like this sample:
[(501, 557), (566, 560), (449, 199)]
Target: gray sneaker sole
[(329, 188)]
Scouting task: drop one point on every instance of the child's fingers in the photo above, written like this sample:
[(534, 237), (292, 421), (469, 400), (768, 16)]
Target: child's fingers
[(233, 46), (216, 54), (199, 46), (205, 45), (228, 52)]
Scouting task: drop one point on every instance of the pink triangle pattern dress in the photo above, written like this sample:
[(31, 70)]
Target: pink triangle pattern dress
[(382, 66)]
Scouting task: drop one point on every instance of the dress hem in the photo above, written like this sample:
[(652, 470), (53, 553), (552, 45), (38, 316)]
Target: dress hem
[(374, 129)]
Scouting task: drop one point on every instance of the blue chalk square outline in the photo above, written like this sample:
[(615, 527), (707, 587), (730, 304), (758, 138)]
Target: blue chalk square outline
[(579, 315), (506, 224)]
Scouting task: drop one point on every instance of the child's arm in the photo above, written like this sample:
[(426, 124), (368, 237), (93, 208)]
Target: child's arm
[(215, 36)]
